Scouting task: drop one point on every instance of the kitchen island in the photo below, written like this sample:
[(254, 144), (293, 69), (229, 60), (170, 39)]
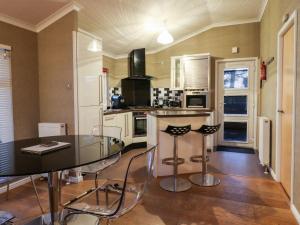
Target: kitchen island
[(188, 145)]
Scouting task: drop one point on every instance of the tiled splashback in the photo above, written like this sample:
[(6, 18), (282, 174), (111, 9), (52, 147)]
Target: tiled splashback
[(156, 93)]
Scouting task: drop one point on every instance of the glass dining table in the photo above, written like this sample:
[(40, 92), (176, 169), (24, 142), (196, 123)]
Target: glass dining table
[(83, 150)]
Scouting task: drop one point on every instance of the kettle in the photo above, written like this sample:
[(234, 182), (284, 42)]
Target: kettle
[(117, 102)]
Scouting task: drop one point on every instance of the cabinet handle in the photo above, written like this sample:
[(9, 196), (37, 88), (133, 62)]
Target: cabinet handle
[(126, 124), (101, 89), (108, 118)]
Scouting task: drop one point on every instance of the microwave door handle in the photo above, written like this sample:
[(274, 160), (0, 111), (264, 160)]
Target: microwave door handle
[(140, 118)]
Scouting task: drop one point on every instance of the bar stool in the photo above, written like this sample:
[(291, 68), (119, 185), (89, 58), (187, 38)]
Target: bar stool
[(204, 179), (173, 183)]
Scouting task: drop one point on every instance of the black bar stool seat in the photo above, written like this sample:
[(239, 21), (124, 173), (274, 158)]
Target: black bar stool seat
[(175, 184), (204, 178)]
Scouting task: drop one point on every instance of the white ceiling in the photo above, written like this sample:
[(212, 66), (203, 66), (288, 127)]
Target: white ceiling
[(121, 23), (127, 24)]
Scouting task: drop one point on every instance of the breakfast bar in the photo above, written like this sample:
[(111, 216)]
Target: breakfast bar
[(188, 145)]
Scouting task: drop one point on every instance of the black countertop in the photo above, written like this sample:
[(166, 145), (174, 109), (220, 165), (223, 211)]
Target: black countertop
[(179, 113), (153, 110)]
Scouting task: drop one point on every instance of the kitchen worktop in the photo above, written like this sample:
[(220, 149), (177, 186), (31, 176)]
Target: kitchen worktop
[(160, 111), (179, 113)]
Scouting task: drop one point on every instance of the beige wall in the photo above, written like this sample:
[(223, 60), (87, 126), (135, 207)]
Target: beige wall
[(55, 54), (270, 25), (217, 41), (24, 66)]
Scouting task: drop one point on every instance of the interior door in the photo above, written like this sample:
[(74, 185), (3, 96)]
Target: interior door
[(236, 103), (286, 108)]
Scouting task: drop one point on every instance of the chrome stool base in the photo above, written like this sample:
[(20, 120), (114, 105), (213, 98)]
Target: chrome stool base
[(175, 184), (206, 180)]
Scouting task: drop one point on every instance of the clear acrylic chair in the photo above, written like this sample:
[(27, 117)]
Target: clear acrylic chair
[(5, 218), (117, 196), (7, 181), (95, 169)]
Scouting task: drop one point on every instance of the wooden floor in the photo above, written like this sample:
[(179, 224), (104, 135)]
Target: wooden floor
[(252, 199)]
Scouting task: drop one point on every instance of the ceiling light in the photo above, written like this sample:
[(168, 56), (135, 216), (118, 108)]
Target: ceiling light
[(165, 37), (95, 46)]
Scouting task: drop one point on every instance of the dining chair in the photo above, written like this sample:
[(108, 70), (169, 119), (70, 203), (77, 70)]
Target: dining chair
[(118, 196), (5, 218), (7, 181), (95, 169)]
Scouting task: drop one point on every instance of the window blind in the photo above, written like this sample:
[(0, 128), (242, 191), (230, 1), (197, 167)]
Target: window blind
[(6, 107)]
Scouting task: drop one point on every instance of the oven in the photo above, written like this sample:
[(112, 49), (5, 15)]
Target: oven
[(196, 99), (139, 124)]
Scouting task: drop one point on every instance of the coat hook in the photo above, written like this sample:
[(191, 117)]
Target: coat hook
[(269, 61)]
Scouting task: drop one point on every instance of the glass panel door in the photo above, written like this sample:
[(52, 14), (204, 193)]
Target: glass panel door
[(236, 103)]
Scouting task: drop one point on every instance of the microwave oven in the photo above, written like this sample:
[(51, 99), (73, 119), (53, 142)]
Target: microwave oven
[(197, 99)]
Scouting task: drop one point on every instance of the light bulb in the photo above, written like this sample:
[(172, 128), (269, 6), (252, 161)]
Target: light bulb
[(165, 37)]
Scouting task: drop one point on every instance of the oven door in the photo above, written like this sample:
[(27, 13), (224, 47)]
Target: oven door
[(196, 101), (139, 126)]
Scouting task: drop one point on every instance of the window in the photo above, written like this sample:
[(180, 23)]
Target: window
[(6, 107), (236, 78), (235, 105), (235, 131)]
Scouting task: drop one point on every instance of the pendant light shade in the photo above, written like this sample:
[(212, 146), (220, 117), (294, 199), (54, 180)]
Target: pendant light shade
[(95, 46), (165, 37)]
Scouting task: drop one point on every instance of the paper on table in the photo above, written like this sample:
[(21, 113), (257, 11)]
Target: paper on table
[(40, 149)]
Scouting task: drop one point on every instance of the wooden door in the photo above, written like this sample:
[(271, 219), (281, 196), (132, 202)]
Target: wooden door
[(287, 108)]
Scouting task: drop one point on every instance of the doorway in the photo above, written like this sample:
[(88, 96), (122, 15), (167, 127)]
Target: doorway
[(286, 79), (235, 102)]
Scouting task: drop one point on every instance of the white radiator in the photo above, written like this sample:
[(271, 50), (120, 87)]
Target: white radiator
[(52, 129), (264, 141)]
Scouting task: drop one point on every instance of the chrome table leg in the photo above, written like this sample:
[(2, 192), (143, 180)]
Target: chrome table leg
[(54, 197)]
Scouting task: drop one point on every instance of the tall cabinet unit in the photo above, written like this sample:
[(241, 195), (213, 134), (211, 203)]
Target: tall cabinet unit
[(88, 84)]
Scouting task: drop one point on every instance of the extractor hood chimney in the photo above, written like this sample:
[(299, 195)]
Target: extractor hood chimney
[(137, 64)]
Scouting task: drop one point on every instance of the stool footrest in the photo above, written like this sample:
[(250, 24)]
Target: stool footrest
[(198, 158), (171, 161)]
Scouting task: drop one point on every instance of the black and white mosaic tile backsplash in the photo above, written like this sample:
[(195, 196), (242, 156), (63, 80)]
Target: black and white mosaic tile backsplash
[(156, 93)]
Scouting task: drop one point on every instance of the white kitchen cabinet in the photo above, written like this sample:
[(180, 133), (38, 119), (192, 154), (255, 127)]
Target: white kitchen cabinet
[(127, 128), (90, 121), (190, 72), (196, 69), (177, 76), (122, 120)]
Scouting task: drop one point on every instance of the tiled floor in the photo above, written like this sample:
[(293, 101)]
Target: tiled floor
[(243, 198)]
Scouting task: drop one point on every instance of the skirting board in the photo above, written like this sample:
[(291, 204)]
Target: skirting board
[(17, 183), (273, 174), (295, 213)]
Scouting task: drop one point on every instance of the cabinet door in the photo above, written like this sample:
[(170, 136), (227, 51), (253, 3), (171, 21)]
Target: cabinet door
[(89, 69), (177, 78), (110, 120), (90, 120), (196, 72)]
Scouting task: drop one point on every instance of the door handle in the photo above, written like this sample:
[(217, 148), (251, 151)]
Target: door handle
[(280, 111)]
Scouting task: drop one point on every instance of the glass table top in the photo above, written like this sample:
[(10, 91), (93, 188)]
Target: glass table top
[(82, 151)]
